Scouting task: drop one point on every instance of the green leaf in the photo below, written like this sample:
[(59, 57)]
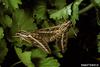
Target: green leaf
[(57, 51), (38, 53), (72, 32), (75, 13), (1, 33), (40, 10), (98, 59), (98, 36), (98, 16), (98, 42), (62, 13), (25, 57), (99, 47), (45, 24), (3, 50), (12, 3), (22, 21), (49, 62), (7, 21), (60, 3), (96, 2)]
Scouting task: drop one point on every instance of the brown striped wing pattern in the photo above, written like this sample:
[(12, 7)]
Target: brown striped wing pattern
[(42, 37)]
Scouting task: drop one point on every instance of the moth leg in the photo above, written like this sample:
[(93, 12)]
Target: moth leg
[(57, 45), (40, 44), (23, 38), (47, 48), (46, 45), (65, 40), (62, 43)]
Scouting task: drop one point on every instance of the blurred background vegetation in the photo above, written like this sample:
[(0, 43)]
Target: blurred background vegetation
[(30, 15)]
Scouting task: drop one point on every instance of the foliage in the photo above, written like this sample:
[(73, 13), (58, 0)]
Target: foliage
[(3, 46), (25, 57), (75, 9), (49, 62), (40, 11), (62, 13), (38, 54), (96, 2), (41, 14), (98, 40), (1, 33), (13, 4), (22, 21), (3, 50)]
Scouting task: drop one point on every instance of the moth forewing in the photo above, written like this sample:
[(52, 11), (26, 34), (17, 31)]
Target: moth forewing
[(40, 44), (61, 30), (35, 39), (23, 37), (42, 37), (54, 28)]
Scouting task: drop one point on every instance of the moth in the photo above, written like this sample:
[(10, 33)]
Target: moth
[(40, 38)]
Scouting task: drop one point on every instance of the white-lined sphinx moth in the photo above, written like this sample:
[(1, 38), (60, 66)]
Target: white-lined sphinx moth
[(42, 37)]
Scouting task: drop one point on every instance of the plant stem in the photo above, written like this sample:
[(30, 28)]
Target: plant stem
[(86, 8), (15, 63)]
